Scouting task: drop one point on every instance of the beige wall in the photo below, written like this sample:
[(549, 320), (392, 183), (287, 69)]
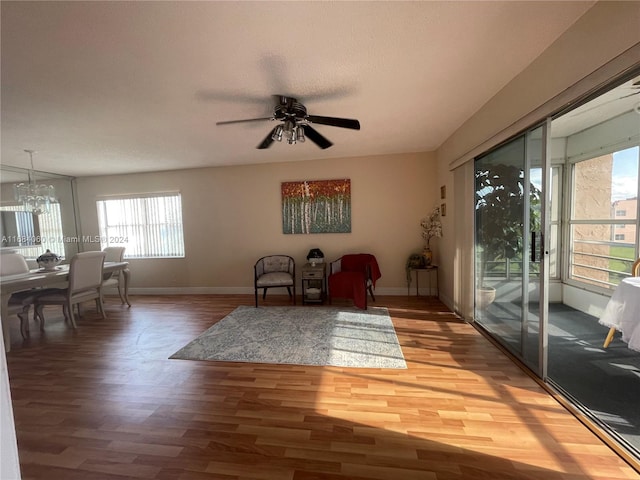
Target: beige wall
[(606, 31), (238, 208), (232, 216)]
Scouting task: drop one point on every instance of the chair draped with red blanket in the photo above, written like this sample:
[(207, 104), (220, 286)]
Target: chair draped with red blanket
[(352, 275)]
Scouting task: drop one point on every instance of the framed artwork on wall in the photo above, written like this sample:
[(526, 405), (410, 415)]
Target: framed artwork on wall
[(316, 206)]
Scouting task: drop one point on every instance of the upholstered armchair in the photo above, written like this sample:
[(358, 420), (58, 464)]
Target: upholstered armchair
[(352, 276), (275, 271)]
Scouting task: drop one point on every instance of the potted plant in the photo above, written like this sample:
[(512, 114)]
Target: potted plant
[(431, 227), (499, 220)]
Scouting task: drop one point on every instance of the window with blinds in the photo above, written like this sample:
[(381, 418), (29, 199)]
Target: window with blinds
[(148, 226)]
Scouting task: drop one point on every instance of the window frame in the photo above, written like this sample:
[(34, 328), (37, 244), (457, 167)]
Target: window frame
[(107, 238), (613, 223)]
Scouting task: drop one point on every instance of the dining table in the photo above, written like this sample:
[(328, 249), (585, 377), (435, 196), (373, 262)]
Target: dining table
[(622, 313), (40, 278)]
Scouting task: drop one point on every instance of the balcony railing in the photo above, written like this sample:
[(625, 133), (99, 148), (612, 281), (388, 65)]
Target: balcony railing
[(600, 269)]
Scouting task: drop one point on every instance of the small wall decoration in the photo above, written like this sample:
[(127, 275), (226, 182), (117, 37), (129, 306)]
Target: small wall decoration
[(443, 209), (443, 191), (316, 206)]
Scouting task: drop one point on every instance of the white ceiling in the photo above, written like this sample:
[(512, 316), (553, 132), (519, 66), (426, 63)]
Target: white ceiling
[(118, 87)]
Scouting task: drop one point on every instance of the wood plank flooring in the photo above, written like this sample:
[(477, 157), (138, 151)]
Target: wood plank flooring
[(105, 402)]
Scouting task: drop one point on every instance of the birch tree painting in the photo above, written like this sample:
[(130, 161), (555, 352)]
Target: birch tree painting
[(316, 206)]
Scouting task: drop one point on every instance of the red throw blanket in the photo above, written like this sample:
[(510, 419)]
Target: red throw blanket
[(351, 282)]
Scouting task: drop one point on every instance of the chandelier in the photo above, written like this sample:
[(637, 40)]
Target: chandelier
[(34, 197)]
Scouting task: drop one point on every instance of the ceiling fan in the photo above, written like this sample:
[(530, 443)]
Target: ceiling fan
[(634, 86), (295, 124)]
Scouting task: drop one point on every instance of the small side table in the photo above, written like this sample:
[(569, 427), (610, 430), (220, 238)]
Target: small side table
[(430, 270), (314, 285)]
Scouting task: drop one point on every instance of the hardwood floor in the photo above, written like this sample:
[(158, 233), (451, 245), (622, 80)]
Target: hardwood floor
[(105, 402)]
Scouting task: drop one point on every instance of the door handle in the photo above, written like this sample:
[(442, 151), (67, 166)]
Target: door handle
[(533, 246), (537, 238)]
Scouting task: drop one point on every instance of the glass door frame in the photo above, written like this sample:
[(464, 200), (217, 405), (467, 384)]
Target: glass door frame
[(539, 365), (544, 278)]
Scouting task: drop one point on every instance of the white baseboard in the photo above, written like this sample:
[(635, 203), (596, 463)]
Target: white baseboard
[(191, 291), (391, 291)]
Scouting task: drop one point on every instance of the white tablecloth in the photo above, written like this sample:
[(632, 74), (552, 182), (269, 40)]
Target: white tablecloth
[(623, 311)]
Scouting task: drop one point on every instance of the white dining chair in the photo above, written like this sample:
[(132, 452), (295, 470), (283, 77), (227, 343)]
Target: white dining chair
[(113, 254), (12, 263), (85, 283)]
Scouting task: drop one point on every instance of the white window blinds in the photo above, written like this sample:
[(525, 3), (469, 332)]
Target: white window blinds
[(148, 226)]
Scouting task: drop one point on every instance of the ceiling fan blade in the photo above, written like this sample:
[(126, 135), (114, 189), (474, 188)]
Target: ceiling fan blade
[(313, 135), (229, 122), (335, 122), (268, 140)]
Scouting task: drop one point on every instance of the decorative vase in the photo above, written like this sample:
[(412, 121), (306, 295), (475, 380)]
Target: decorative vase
[(485, 297), (48, 260), (427, 255)]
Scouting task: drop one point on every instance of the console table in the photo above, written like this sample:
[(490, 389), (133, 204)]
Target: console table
[(314, 284), (430, 270)]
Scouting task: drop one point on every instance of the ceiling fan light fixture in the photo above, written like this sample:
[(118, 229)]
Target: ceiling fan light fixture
[(300, 130), (277, 134), (289, 131), (288, 127)]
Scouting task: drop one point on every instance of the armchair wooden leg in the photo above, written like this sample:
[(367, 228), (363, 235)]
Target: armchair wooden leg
[(372, 295), (612, 332), (294, 294), (256, 293), (264, 294)]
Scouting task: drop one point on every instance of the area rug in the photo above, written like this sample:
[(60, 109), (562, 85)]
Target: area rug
[(300, 336)]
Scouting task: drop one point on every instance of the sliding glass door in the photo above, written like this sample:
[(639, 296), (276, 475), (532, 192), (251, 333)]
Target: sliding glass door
[(557, 230), (510, 209)]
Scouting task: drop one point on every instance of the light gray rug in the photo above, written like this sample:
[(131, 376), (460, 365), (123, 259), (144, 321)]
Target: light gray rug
[(301, 336)]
